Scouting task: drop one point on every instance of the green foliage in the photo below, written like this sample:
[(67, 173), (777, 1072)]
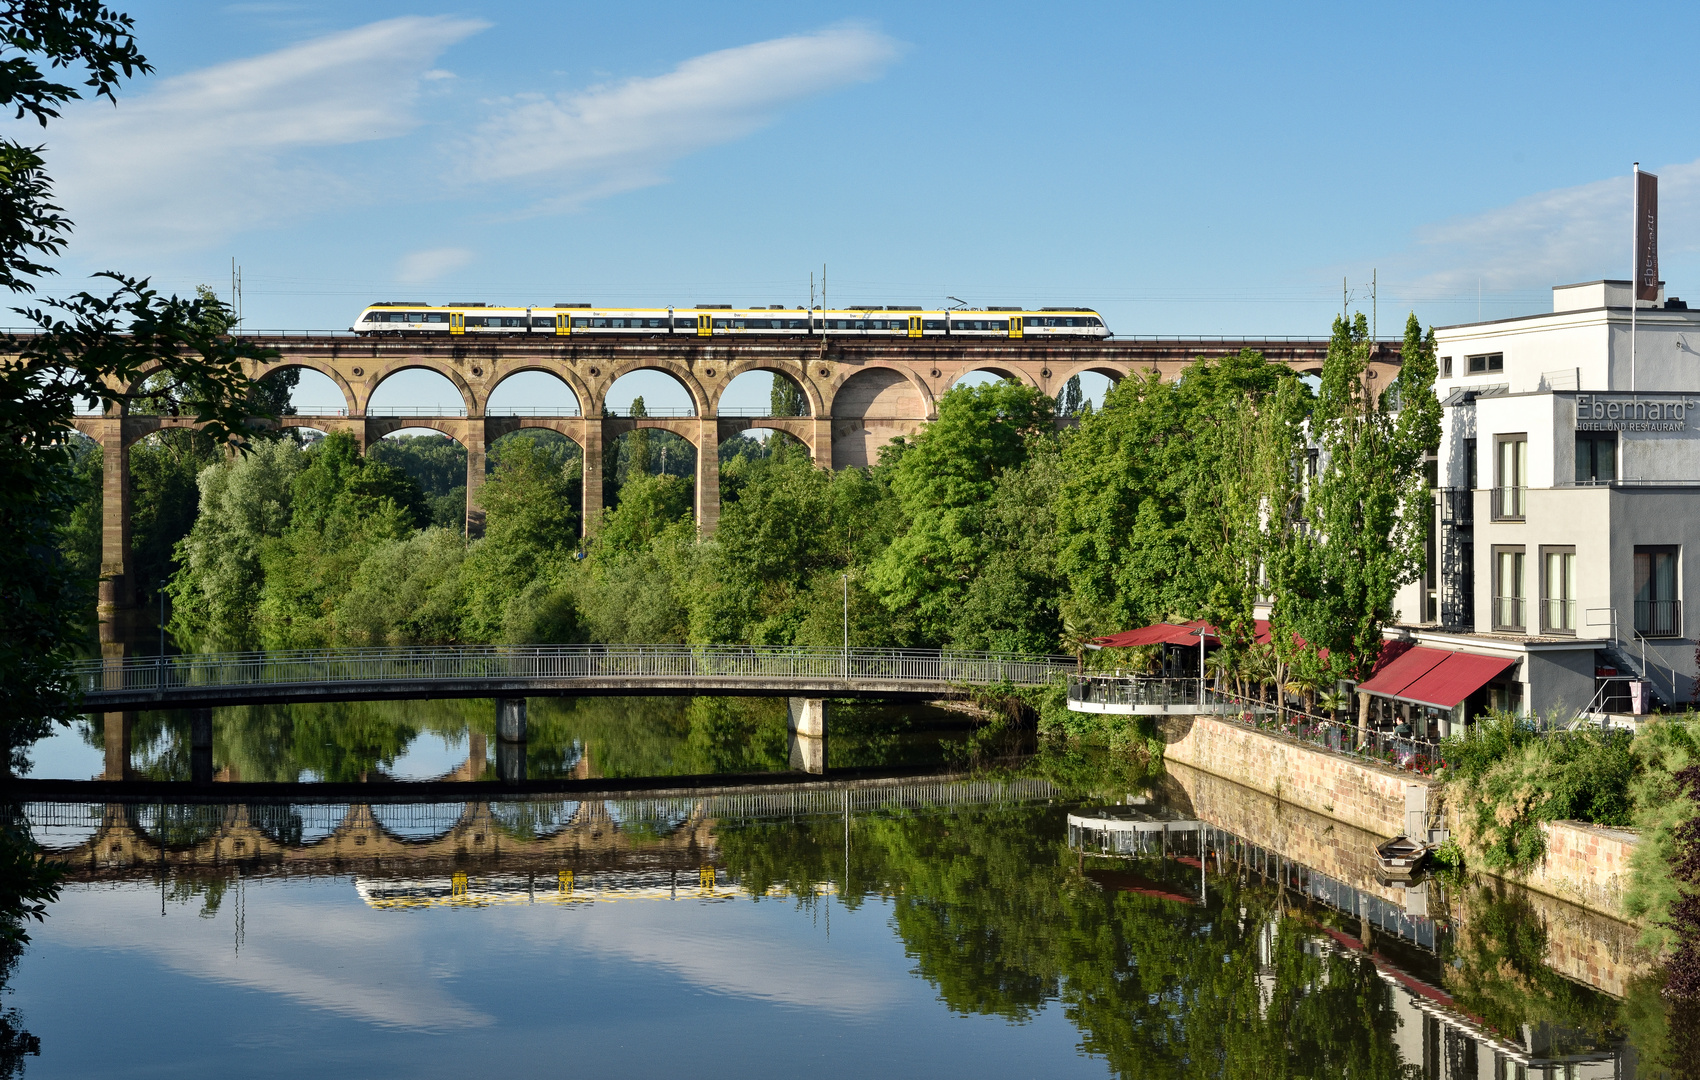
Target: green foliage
[(786, 398), (944, 483), (1666, 747), (1364, 510), (80, 534), (438, 465), (164, 499), (530, 531), (245, 504), (1161, 510), (1511, 779)]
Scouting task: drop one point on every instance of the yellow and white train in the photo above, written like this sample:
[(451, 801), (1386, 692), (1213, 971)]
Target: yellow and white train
[(705, 320)]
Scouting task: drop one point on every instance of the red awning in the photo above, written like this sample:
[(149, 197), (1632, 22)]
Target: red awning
[(1156, 634), (1403, 670), (1436, 677), (1461, 675)]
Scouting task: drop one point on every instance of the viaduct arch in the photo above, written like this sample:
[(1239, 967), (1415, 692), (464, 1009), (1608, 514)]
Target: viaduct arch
[(862, 393)]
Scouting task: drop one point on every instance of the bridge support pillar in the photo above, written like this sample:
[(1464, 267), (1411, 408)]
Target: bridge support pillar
[(118, 725), (117, 582), (805, 719), (708, 477), (200, 746), (510, 739), (590, 498), (476, 450)]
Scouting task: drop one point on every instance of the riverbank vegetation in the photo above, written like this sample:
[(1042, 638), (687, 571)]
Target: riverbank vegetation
[(992, 528), (1508, 778)]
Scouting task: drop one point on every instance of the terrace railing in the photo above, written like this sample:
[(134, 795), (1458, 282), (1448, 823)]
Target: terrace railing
[(1374, 744), (661, 664)]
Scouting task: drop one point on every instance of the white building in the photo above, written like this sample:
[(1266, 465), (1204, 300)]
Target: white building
[(1567, 500)]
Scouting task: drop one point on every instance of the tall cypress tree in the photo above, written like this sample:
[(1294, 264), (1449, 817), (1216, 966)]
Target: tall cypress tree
[(1364, 512)]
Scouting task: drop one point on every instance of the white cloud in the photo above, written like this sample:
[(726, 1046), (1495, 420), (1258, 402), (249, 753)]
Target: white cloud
[(621, 136), (197, 158), (1567, 234), (344, 961), (423, 267), (203, 155)]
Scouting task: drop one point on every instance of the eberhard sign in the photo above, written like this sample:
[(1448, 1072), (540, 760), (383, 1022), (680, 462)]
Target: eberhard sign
[(1638, 412)]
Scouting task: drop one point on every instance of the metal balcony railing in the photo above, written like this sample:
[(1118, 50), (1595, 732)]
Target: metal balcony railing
[(1508, 612), (1558, 615), (1658, 618), (1510, 503), (1457, 507), (659, 663), (1125, 691)]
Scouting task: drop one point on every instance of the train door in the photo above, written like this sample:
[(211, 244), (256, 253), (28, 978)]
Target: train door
[(705, 325), (1015, 326), (457, 322), (914, 326), (563, 324)]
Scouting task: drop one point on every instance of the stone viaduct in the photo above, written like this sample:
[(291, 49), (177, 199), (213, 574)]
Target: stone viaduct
[(860, 394)]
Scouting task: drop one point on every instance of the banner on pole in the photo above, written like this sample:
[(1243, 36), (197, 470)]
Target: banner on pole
[(1646, 236)]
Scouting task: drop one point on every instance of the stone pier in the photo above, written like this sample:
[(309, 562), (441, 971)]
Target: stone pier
[(510, 739), (805, 719)]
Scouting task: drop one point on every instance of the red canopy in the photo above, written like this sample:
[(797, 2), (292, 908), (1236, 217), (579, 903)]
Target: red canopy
[(1437, 677), (1158, 634)]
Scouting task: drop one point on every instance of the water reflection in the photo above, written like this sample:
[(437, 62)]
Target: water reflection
[(996, 926), (453, 740)]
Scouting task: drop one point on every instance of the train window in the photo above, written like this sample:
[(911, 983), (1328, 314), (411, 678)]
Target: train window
[(535, 321), (932, 324), (437, 316), (722, 324), (684, 324), (475, 320), (1092, 320), (580, 323), (599, 324)]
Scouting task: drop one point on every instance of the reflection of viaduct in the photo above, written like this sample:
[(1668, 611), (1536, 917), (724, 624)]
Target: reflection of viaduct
[(860, 394), (596, 832), (582, 834)]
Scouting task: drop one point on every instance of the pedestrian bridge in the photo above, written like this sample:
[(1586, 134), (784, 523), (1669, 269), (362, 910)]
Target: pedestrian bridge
[(520, 671)]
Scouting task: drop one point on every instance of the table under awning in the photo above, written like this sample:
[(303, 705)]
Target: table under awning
[(1439, 678)]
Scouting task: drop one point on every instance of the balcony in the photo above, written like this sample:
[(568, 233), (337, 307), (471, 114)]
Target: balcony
[(1658, 618), (1510, 503), (1508, 613), (1457, 507), (1558, 616)]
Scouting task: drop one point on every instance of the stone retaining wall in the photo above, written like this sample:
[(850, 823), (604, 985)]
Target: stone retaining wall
[(1585, 865), (1582, 942), (1360, 793)]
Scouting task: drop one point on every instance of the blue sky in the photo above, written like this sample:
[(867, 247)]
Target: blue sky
[(1197, 168)]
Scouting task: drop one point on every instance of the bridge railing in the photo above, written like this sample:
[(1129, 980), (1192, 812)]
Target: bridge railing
[(460, 663)]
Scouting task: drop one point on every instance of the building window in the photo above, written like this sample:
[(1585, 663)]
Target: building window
[(1511, 484), (1558, 590), (1471, 471), (1658, 612), (1446, 367), (1490, 362), (1508, 593), (1596, 457)]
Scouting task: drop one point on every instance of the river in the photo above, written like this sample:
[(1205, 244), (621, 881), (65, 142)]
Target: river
[(1069, 914)]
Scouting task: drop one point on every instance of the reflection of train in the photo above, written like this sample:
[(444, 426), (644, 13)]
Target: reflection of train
[(712, 320)]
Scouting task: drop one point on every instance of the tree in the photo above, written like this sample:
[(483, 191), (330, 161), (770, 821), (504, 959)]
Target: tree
[(1364, 513), (1070, 400), (89, 347), (786, 398), (944, 483), (530, 532)]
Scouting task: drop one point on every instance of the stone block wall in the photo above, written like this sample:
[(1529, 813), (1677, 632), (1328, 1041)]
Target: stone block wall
[(1362, 794), (1585, 865)]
